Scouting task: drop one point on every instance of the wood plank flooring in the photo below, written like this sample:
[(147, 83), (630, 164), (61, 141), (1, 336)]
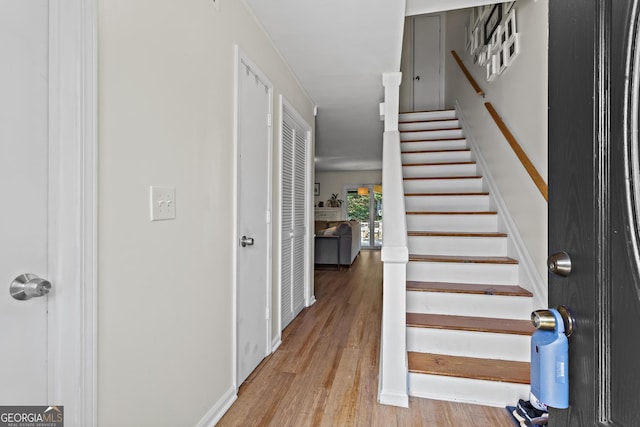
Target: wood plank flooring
[(325, 373)]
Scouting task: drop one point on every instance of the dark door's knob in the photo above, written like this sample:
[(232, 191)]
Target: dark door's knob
[(559, 263)]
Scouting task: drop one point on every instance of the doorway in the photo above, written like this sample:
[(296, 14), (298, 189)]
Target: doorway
[(253, 209), (364, 204), (422, 88)]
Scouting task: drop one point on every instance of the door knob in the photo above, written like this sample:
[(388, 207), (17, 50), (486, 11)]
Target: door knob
[(559, 263), (27, 286), (246, 241), (545, 320), (417, 77)]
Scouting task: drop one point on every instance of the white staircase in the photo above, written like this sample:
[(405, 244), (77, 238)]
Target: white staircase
[(468, 331)]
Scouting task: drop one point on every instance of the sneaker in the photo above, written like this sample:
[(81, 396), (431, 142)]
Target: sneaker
[(532, 415)]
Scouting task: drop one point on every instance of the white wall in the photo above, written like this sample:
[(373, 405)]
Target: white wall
[(332, 182), (166, 90), (520, 97)]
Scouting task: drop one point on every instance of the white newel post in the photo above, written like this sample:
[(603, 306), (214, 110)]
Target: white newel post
[(392, 386)]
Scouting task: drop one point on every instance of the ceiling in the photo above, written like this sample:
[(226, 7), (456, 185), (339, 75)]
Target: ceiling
[(339, 50)]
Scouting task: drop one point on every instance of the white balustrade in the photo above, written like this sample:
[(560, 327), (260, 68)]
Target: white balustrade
[(392, 387)]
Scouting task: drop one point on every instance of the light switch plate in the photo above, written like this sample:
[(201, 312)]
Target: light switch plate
[(163, 203)]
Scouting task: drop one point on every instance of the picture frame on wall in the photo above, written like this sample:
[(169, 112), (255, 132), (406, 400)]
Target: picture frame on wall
[(491, 68), (478, 15), (495, 38), (510, 50), (510, 24), (501, 62), (507, 6), (467, 39), (492, 22), (477, 40)]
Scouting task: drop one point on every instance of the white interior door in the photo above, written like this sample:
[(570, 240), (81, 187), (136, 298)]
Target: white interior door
[(253, 181), (294, 220), (24, 181), (427, 63)]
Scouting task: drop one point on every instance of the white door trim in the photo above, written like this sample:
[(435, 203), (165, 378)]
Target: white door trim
[(72, 213), (241, 58)]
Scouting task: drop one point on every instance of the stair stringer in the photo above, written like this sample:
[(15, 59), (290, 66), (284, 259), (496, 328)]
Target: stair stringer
[(529, 276)]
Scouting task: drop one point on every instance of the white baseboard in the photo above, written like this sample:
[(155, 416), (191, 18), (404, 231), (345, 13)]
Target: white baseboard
[(530, 278), (214, 414), (394, 399), (275, 343)]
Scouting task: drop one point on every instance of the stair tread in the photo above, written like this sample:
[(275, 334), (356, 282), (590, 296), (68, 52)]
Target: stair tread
[(469, 288), (430, 130), (453, 213), (439, 164), (468, 323), (457, 150), (458, 138), (449, 110), (427, 121), (445, 177), (481, 193), (469, 367), (463, 259), (455, 234)]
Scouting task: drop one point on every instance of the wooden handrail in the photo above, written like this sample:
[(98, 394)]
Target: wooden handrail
[(524, 159), (466, 72)]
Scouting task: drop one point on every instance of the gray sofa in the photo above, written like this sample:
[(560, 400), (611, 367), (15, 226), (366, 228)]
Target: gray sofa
[(330, 234)]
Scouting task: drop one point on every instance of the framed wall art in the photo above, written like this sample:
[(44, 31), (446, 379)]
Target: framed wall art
[(492, 22)]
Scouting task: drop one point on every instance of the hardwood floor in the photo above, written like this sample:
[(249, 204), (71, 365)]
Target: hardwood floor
[(325, 373)]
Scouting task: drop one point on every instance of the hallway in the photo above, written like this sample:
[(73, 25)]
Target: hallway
[(325, 373)]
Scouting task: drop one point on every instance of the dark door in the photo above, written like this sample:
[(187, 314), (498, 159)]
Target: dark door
[(594, 204)]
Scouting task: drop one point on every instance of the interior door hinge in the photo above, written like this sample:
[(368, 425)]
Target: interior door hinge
[(268, 217), (266, 313), (269, 119)]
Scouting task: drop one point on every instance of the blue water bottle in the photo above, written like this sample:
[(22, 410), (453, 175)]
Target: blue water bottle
[(550, 359)]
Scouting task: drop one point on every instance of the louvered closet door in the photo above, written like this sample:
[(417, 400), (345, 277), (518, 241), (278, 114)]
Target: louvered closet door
[(294, 171), (299, 229), (287, 224)]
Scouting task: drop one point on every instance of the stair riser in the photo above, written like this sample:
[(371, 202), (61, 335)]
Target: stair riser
[(436, 157), (461, 223), (458, 246), (456, 272), (458, 304), (447, 203), (432, 124), (488, 393), (443, 186), (456, 144), (431, 134), (469, 344), (427, 115), (438, 170)]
